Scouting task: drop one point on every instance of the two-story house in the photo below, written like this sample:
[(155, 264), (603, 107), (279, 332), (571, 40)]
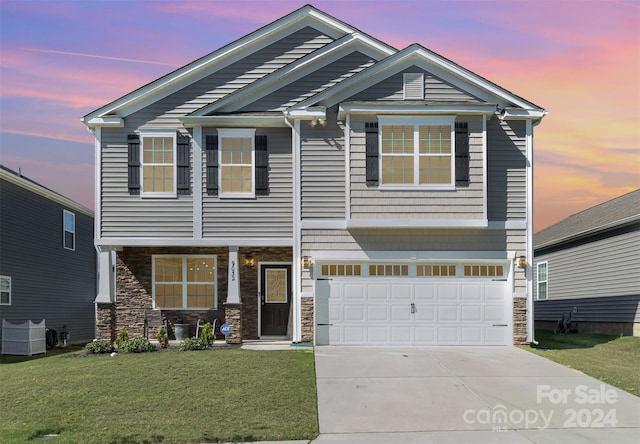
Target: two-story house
[(311, 182)]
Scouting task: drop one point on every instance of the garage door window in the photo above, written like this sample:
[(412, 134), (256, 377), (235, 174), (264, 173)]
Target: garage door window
[(388, 270), (341, 270), (436, 270), (483, 270)]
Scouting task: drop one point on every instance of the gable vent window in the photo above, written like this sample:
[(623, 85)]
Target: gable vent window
[(413, 86)]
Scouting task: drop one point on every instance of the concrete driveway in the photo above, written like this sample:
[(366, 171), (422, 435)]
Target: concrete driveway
[(426, 395)]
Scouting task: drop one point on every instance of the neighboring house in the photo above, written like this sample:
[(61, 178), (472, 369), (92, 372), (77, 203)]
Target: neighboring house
[(591, 261), (47, 258), (310, 182)]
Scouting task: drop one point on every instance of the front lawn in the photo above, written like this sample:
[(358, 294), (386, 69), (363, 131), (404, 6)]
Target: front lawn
[(611, 359), (168, 397)]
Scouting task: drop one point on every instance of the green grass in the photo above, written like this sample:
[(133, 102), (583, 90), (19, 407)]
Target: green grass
[(168, 397), (611, 359)]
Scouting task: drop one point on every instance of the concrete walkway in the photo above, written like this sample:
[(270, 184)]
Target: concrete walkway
[(464, 395)]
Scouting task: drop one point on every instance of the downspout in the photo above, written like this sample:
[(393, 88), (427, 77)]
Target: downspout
[(529, 269), (296, 231)]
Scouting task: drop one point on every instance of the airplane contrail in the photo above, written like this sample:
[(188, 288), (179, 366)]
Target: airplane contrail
[(95, 56)]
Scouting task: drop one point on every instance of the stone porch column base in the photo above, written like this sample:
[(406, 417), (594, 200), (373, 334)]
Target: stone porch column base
[(233, 317)]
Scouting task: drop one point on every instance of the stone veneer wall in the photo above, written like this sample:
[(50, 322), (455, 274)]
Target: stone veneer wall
[(307, 319), (520, 321), (134, 291)]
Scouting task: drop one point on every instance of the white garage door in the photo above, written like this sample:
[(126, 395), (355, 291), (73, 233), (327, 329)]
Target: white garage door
[(413, 311)]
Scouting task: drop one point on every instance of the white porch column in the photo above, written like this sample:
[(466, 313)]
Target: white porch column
[(233, 290), (106, 290)]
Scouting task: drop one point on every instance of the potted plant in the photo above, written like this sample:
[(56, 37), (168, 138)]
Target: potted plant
[(181, 329)]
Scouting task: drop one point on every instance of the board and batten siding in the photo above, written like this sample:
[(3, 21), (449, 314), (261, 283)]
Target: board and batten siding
[(166, 112), (436, 89), (133, 216), (373, 203), (269, 216), (606, 267), (322, 170), (47, 281), (321, 79), (506, 165)]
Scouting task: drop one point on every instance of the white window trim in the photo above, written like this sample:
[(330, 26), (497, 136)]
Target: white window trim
[(416, 122), (538, 282), (237, 133), (159, 133), (184, 282), (64, 230), (8, 280)]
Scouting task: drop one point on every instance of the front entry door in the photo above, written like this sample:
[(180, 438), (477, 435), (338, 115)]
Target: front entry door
[(275, 299)]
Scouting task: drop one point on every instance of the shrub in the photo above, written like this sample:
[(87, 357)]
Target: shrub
[(162, 337), (192, 344), (138, 345), (207, 334), (123, 337), (97, 347)]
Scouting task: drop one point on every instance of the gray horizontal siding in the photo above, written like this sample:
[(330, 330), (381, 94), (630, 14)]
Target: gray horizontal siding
[(265, 216), (373, 203), (322, 170), (436, 89), (48, 281), (124, 215), (506, 165), (318, 81), (603, 268), (165, 112), (603, 309)]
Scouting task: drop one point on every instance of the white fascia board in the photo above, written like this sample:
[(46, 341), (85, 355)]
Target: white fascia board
[(295, 71), (408, 109), (522, 114), (106, 122), (430, 62), (315, 112), (189, 242), (417, 223), (234, 121), (351, 255), (225, 56)]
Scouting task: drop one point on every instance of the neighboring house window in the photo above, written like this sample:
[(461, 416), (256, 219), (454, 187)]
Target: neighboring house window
[(5, 290), (184, 282), (543, 278), (417, 152), (158, 164), (237, 160), (69, 230)]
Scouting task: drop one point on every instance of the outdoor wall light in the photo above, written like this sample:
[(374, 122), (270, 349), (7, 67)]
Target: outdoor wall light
[(306, 262), (249, 261), (522, 262)]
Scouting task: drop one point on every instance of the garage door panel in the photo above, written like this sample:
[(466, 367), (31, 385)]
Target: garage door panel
[(447, 293), (377, 335), (447, 313), (400, 292), (354, 334), (378, 312), (494, 292), (424, 293), (471, 313), (425, 313), (400, 335), (376, 292), (494, 313), (424, 335), (496, 335), (471, 335), (471, 292), (353, 313), (353, 292), (448, 334), (400, 312)]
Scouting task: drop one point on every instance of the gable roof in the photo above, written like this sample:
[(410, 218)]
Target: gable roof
[(24, 182), (306, 16), (622, 210)]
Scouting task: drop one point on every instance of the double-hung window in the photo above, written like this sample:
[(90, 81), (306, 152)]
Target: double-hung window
[(237, 162), (543, 278), (417, 152), (184, 282), (158, 163), (68, 230), (5, 290)]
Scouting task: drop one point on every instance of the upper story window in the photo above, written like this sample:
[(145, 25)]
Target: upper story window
[(68, 230), (158, 164), (542, 279), (237, 162), (5, 290), (417, 152)]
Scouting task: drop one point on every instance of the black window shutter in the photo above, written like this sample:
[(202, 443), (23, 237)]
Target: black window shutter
[(134, 163), (371, 146), (262, 166), (462, 154), (211, 152), (183, 165)]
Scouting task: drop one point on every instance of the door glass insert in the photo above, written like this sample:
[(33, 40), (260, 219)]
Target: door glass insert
[(276, 285)]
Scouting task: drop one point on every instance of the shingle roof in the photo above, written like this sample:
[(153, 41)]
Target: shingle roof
[(609, 214)]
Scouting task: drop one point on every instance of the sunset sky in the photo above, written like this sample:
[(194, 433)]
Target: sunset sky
[(580, 60)]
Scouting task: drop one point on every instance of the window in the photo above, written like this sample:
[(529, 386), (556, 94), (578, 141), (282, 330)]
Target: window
[(183, 282), (484, 270), (417, 152), (436, 270), (158, 164), (341, 270), (237, 162), (69, 230), (388, 270), (542, 281), (5, 290)]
